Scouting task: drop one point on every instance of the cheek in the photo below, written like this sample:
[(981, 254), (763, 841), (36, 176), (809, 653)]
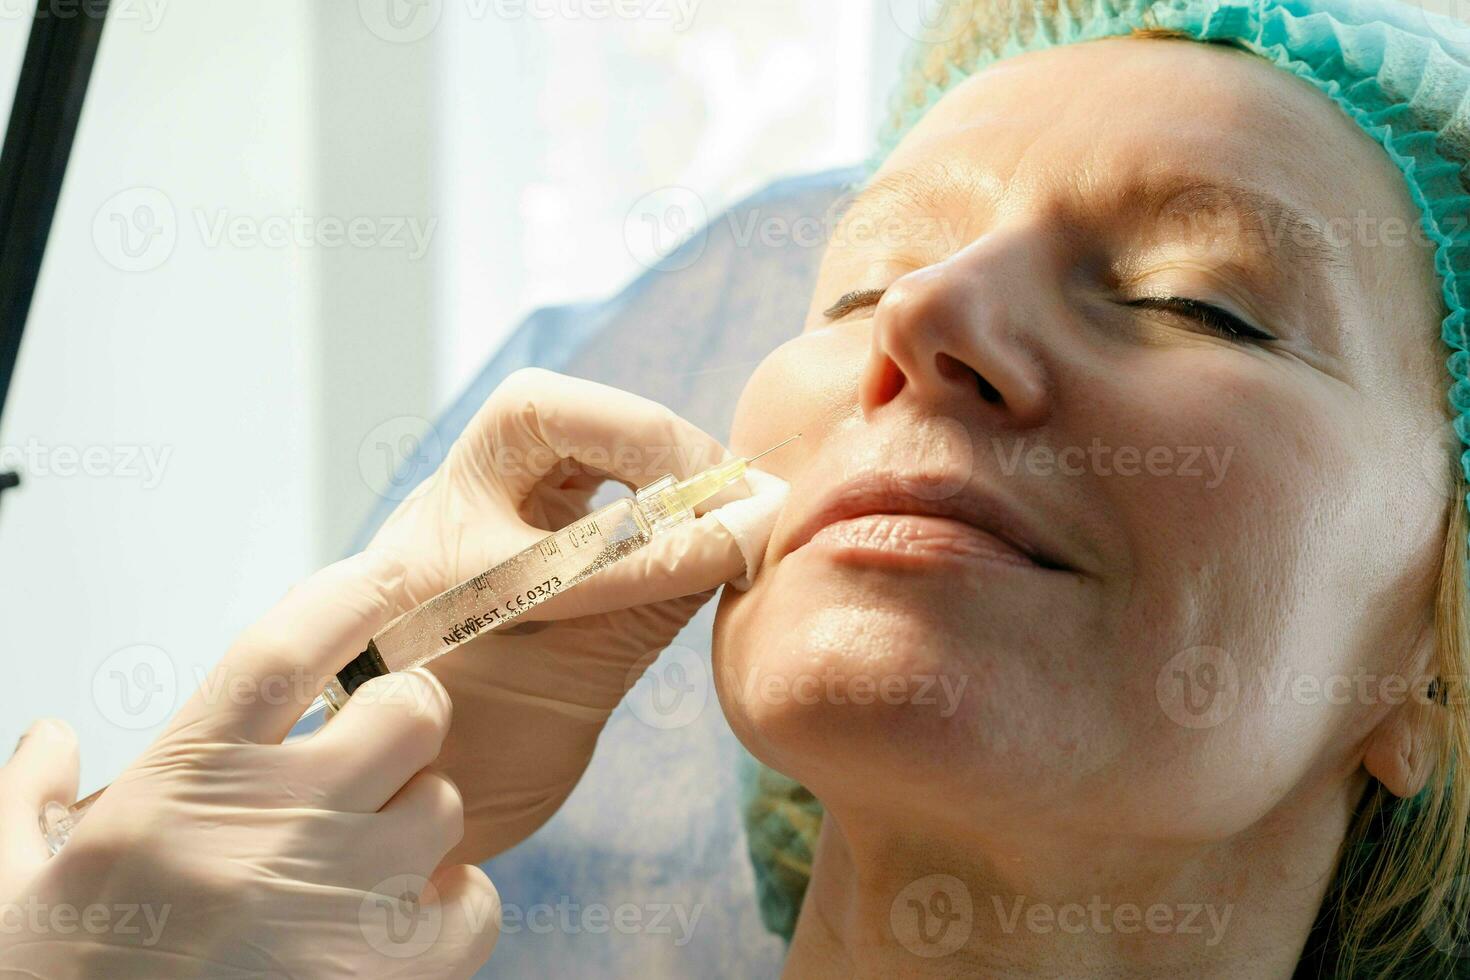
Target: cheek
[(806, 385), (1222, 477), (1240, 535)]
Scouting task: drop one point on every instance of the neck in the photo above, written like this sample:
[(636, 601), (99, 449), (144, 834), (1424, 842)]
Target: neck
[(891, 899)]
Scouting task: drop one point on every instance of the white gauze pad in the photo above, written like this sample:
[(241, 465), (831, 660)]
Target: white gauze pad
[(750, 520)]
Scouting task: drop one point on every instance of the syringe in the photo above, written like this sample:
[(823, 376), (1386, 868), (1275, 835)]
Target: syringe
[(521, 583), (498, 596)]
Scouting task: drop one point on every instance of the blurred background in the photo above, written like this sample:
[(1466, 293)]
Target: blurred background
[(290, 233)]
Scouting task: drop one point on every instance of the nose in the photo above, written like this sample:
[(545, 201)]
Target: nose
[(967, 328)]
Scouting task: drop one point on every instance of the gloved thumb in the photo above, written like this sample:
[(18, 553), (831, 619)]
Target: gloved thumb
[(44, 768), (727, 544), (277, 666)]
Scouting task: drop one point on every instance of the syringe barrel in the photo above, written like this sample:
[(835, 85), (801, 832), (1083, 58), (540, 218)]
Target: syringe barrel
[(515, 586)]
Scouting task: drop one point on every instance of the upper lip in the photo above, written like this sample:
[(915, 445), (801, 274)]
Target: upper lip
[(888, 492)]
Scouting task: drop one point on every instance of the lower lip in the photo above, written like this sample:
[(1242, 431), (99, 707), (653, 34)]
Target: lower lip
[(913, 540)]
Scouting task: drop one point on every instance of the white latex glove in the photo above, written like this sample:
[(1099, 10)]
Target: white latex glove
[(224, 853), (532, 698)]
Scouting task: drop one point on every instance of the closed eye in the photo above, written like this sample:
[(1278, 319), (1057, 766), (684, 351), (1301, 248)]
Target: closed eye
[(855, 300), (1224, 323), (1220, 321)]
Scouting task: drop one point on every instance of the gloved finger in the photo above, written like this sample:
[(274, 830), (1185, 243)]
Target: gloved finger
[(410, 835), (277, 666), (695, 558), (43, 769), (536, 418), (424, 821), (469, 908), (444, 925), (392, 727)]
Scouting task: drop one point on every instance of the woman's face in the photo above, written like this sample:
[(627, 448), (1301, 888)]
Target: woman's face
[(1098, 551)]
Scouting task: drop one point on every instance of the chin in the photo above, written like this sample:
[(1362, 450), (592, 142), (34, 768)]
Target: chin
[(876, 688), (845, 693)]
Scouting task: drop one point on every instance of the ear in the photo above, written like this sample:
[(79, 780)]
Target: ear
[(1402, 750)]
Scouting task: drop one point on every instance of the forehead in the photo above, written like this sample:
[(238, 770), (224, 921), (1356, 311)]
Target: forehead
[(1118, 108)]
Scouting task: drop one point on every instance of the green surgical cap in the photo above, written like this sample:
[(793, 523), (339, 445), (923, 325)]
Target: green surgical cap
[(1399, 71)]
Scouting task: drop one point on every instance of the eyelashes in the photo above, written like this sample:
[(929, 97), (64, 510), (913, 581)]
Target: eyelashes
[(1217, 320), (855, 300)]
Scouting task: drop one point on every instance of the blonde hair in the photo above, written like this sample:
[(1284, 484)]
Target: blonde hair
[(1400, 898), (1399, 903)]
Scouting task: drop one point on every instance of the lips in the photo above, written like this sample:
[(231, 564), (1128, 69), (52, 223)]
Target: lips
[(888, 513)]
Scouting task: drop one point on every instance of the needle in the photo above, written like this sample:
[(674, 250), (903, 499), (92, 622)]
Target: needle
[(752, 459)]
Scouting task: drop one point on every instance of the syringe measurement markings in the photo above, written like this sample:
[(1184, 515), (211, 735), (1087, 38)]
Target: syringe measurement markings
[(582, 533), (476, 624), (579, 535)]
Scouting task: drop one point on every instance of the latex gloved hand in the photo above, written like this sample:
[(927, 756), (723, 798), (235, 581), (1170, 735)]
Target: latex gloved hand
[(223, 853), (532, 697)]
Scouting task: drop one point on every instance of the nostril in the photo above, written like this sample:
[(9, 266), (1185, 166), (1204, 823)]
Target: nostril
[(957, 370)]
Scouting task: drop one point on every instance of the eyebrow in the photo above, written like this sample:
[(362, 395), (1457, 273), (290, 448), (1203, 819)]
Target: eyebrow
[(923, 188), (1286, 230)]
